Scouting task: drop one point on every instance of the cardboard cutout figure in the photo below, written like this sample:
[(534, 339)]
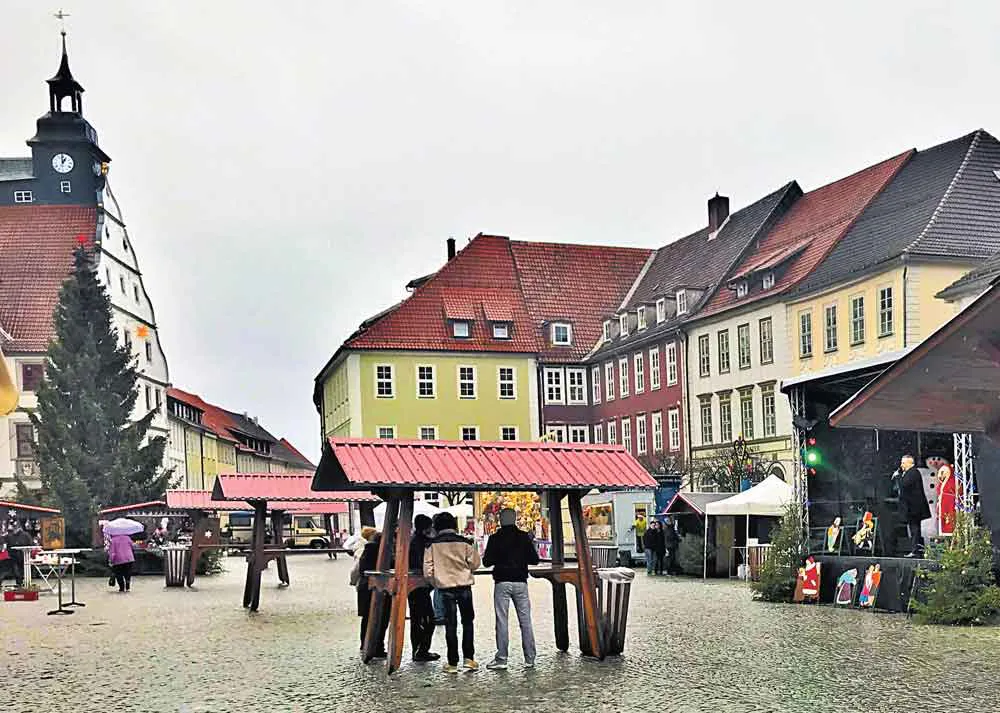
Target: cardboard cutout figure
[(864, 538), (798, 597), (810, 580), (948, 492), (833, 535), (869, 590), (845, 588)]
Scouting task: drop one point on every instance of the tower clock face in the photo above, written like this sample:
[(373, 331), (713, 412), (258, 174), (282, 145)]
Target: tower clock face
[(62, 163)]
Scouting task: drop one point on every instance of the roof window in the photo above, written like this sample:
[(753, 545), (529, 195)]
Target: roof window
[(562, 333), (461, 329)]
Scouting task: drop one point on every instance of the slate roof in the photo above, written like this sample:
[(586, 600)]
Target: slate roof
[(36, 257), (945, 202), (696, 261), (294, 454), (16, 169), (818, 219), (578, 284), (974, 281)]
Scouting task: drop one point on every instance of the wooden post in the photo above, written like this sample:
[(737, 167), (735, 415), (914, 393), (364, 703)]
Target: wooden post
[(366, 513), (397, 620), (255, 560), (278, 528), (328, 525), (587, 587), (560, 611), (377, 605), (196, 538)]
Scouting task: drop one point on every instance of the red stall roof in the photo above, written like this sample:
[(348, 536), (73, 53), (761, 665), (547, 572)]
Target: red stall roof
[(151, 505), (200, 500), (472, 465), (279, 488), (28, 508)]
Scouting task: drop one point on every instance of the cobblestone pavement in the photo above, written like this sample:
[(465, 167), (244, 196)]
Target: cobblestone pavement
[(691, 647)]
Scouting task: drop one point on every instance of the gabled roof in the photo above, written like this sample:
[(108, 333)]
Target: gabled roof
[(579, 284), (818, 219), (974, 281), (285, 451), (36, 257), (944, 202)]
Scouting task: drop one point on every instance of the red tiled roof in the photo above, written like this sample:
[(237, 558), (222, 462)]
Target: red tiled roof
[(279, 487), (213, 418), (8, 505), (579, 284), (818, 219), (36, 257), (471, 465)]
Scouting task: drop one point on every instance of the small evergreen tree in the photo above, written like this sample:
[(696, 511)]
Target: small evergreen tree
[(785, 556), (89, 453)]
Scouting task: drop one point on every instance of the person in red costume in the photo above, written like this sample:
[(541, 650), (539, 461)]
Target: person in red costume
[(948, 491)]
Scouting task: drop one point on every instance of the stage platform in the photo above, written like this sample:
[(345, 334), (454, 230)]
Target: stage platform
[(897, 577)]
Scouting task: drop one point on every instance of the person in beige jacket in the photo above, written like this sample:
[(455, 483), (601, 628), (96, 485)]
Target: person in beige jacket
[(450, 563)]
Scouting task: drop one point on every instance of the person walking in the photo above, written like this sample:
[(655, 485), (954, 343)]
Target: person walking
[(659, 546), (121, 557), (421, 607), (649, 549), (450, 563), (510, 551), (913, 502)]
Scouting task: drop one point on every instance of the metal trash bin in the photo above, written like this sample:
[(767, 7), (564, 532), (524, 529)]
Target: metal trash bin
[(614, 586), (604, 556), (175, 564)]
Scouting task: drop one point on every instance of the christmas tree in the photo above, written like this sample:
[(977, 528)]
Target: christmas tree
[(89, 452)]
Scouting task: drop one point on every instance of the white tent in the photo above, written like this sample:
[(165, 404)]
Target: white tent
[(768, 498), (420, 507)]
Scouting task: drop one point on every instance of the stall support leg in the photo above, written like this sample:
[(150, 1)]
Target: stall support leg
[(560, 608), (377, 605), (255, 563), (328, 525), (587, 587), (704, 564), (278, 527), (195, 554), (397, 620)]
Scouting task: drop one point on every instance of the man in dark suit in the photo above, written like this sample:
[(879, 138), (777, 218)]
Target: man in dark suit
[(913, 502)]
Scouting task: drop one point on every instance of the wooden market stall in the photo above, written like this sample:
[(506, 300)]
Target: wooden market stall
[(395, 469)]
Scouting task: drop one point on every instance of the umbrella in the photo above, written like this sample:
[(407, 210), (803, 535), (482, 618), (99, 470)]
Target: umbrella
[(123, 526)]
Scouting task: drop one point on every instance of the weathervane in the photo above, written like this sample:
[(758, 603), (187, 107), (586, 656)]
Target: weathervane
[(61, 16)]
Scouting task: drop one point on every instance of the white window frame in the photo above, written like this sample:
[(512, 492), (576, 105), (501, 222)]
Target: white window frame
[(612, 432), (421, 381), (390, 429), (569, 334), (657, 419), (461, 433), (623, 325), (505, 428), (420, 433), (654, 368), (723, 338), (704, 356), (580, 397), (627, 433), (674, 429), (743, 346), (639, 372), (768, 281), (671, 363), (623, 389), (554, 398), (830, 336), (640, 318), (23, 197), (598, 433), (886, 317), (460, 381), (768, 410), (661, 310), (641, 438), (65, 187), (682, 302), (595, 384), (578, 434), (555, 434), (742, 288), (607, 330), (501, 330), (391, 381), (746, 415), (501, 382), (726, 424), (456, 329), (705, 410), (609, 381), (766, 356), (858, 335), (805, 334)]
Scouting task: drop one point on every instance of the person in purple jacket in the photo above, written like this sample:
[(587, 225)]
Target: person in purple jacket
[(121, 558)]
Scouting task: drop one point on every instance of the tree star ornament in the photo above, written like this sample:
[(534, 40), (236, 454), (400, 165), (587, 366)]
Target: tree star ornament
[(142, 332)]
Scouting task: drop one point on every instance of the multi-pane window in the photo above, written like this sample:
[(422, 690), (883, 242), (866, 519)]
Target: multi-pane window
[(767, 406), (674, 429), (640, 372), (501, 330), (562, 333), (428, 433), (425, 381), (805, 334), (23, 197), (467, 382), (682, 302), (31, 376), (386, 431), (766, 341), (746, 413), (704, 357), (627, 433), (508, 433), (768, 281), (743, 340), (595, 384), (725, 418), (657, 432), (623, 325), (607, 330), (706, 420), (25, 435), (640, 434), (461, 329), (609, 381), (470, 433), (554, 386), (640, 318), (598, 433), (858, 319), (577, 385), (623, 377), (742, 288), (654, 368), (724, 351), (612, 432), (830, 328), (661, 310), (671, 363), (577, 434), (385, 386), (556, 434), (885, 325), (506, 386)]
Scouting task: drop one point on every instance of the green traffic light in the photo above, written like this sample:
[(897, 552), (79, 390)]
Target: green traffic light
[(812, 457)]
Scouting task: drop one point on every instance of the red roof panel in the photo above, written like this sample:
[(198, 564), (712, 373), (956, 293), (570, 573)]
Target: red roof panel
[(200, 500), (474, 465), (275, 488), (28, 508), (149, 505)]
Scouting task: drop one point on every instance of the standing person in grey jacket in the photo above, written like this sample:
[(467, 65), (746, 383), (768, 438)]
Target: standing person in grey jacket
[(509, 551)]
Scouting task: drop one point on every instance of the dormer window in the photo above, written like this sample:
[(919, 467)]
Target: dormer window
[(640, 318), (661, 310), (501, 330), (682, 302), (742, 288), (768, 281), (562, 333), (607, 330), (623, 325), (461, 329)]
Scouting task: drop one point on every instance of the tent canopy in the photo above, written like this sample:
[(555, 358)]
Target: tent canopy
[(769, 497), (420, 507)]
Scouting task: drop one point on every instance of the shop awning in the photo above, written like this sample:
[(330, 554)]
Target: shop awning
[(357, 463), (769, 497), (948, 383)]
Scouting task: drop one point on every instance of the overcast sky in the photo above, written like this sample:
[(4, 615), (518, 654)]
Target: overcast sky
[(285, 168)]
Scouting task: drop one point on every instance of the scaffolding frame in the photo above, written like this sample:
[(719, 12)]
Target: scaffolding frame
[(800, 483), (965, 470)]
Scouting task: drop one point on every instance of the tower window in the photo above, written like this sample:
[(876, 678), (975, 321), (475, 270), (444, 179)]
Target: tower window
[(149, 351), (121, 283), (135, 292), (65, 187), (23, 197)]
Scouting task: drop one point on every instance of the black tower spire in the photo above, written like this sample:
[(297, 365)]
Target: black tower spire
[(63, 85)]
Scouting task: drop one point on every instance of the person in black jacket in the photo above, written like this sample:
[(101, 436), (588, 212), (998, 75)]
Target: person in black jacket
[(421, 607), (649, 540), (509, 551), (671, 541), (913, 502), (367, 563)]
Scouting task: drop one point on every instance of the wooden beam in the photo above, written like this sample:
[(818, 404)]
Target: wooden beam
[(256, 558), (587, 588), (278, 528), (397, 620), (560, 608), (195, 554), (366, 514), (377, 606)]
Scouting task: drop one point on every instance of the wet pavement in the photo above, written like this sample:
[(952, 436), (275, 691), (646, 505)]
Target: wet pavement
[(691, 647)]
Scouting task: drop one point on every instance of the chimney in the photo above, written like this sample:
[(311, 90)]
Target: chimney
[(718, 211), (451, 248)]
